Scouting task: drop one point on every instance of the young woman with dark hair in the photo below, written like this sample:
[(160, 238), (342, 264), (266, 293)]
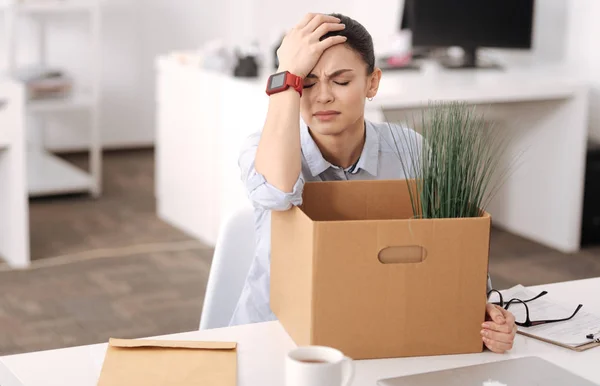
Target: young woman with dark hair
[(315, 130)]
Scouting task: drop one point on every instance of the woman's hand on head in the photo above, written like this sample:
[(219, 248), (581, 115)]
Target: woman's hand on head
[(301, 48)]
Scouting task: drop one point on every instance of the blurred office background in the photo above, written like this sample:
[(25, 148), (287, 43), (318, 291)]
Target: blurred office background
[(99, 256)]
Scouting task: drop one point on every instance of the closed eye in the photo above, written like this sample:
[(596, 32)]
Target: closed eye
[(338, 83)]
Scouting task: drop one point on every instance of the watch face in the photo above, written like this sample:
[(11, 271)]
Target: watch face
[(277, 80)]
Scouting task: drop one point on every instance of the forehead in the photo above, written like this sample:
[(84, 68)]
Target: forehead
[(338, 57)]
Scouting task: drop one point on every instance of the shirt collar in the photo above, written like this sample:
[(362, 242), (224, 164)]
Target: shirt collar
[(369, 157)]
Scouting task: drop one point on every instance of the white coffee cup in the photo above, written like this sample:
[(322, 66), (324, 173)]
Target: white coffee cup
[(318, 366)]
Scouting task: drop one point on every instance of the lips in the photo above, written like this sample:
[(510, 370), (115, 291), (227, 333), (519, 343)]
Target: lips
[(326, 113)]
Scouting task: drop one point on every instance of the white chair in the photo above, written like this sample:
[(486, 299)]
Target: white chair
[(234, 252)]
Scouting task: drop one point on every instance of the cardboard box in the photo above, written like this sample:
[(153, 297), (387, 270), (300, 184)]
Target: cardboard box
[(352, 269), (133, 362)]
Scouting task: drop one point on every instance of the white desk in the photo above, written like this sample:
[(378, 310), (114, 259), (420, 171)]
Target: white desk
[(203, 117), (202, 120), (546, 111), (262, 348), (14, 206)]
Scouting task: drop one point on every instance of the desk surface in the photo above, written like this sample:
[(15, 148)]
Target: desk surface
[(262, 348), (514, 84), (405, 89)]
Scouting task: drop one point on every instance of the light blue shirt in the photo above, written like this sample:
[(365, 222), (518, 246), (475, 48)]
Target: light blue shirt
[(385, 145)]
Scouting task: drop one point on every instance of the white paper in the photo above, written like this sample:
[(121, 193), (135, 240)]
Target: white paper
[(97, 353), (572, 332), (493, 383), (7, 377)]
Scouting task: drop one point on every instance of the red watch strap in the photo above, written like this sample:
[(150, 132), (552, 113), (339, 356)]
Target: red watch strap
[(294, 81)]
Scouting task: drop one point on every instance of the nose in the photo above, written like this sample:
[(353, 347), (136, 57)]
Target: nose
[(324, 93)]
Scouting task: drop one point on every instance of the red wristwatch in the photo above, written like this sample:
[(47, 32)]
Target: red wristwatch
[(282, 81)]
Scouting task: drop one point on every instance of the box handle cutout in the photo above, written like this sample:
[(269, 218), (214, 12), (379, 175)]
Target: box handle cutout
[(402, 255)]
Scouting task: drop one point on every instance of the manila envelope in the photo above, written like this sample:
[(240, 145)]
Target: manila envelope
[(134, 362)]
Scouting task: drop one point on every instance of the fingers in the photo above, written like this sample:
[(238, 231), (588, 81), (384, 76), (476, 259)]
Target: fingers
[(318, 20), (305, 20), (497, 347), (504, 337), (505, 328), (498, 334), (495, 313), (510, 318), (507, 316), (325, 28), (330, 41)]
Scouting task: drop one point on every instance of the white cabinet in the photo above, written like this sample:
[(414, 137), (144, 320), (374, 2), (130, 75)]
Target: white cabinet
[(14, 210), (48, 174), (5, 104), (202, 120)]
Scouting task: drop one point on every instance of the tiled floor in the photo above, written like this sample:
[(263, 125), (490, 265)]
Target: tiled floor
[(157, 286), (90, 301), (123, 216)]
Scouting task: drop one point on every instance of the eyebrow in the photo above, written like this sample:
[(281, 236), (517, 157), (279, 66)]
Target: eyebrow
[(333, 75)]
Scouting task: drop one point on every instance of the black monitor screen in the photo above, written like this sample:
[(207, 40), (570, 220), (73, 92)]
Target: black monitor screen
[(471, 23)]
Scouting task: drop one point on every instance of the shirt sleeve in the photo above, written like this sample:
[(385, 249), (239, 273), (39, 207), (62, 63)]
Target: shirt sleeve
[(262, 194)]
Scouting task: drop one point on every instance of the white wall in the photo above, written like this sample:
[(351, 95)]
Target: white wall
[(582, 52), (550, 26), (136, 31)]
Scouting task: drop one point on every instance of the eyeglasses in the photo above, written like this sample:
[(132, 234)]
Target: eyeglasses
[(528, 322)]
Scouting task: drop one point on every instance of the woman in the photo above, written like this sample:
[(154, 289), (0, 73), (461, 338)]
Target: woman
[(333, 58)]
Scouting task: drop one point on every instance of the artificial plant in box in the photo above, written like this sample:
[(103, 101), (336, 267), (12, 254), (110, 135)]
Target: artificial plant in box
[(461, 166)]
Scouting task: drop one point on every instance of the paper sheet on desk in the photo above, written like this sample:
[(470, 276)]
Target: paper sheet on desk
[(97, 353), (571, 332)]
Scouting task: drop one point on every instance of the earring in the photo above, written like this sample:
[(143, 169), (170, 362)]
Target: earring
[(370, 99)]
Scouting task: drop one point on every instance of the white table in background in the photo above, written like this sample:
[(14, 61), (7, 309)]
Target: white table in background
[(545, 110), (262, 348)]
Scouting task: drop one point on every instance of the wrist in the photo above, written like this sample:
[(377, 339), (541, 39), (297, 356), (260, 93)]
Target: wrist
[(291, 70), (290, 92)]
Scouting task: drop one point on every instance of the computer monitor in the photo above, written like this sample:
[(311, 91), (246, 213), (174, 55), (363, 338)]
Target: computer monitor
[(404, 20), (470, 24), (405, 25)]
